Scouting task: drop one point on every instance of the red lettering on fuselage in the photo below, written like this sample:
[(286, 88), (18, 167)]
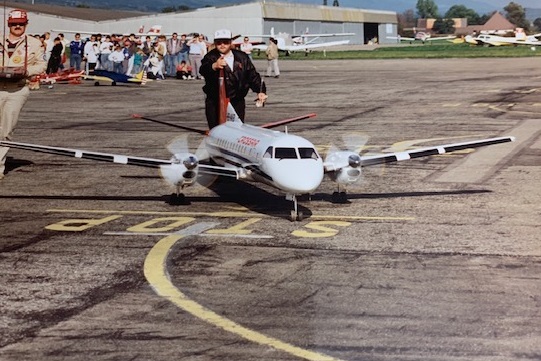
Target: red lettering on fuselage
[(248, 141)]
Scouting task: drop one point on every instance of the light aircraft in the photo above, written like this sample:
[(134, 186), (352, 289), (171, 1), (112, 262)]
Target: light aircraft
[(496, 40), (287, 162), (104, 76), (421, 36), (69, 76), (304, 42)]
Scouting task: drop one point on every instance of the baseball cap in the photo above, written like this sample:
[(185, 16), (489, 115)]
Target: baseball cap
[(222, 34), (17, 16)]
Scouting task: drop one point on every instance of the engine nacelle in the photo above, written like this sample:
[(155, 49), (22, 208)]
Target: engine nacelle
[(343, 167), (182, 172), (346, 175)]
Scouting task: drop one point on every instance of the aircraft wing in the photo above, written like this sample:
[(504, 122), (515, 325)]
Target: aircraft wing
[(84, 154), (315, 46), (493, 41), (441, 38), (527, 42), (304, 47), (402, 38), (428, 151), (117, 158), (219, 171), (323, 35)]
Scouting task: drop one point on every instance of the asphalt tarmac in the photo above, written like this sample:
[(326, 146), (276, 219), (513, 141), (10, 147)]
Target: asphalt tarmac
[(431, 259)]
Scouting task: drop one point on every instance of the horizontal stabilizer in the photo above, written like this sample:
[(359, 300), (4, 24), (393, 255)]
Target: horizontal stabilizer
[(194, 130), (287, 121)]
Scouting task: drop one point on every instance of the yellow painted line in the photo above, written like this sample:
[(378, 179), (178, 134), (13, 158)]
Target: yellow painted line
[(156, 274), (224, 214)]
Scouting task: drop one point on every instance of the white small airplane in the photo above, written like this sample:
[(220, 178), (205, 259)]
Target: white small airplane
[(304, 42), (246, 152), (421, 36), (520, 38)]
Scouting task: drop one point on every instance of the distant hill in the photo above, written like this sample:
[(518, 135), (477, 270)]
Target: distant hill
[(399, 6)]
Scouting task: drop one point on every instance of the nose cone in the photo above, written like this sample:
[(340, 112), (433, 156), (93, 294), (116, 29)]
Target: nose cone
[(297, 176)]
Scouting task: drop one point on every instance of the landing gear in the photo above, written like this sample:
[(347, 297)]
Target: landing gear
[(177, 199), (294, 215), (339, 197)]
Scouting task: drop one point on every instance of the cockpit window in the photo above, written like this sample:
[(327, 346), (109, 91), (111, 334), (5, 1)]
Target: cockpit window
[(308, 153), (285, 153), (268, 153)]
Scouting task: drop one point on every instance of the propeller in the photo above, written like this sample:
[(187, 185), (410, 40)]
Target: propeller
[(206, 180), (346, 163), (182, 170), (348, 154)]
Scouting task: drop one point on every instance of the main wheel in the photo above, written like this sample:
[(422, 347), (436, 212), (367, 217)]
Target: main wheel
[(177, 199), (292, 216)]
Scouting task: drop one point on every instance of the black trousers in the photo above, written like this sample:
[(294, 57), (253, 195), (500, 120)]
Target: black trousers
[(212, 109)]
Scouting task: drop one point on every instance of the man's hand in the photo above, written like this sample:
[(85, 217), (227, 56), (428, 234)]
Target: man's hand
[(219, 64), (261, 99)]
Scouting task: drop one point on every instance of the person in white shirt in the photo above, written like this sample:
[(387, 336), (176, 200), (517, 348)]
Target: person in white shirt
[(106, 48), (116, 58), (91, 53), (247, 47), (198, 49)]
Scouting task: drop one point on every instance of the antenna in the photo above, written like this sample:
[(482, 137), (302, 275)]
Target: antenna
[(4, 39)]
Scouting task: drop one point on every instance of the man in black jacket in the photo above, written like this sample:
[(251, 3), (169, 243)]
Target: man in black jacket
[(239, 73)]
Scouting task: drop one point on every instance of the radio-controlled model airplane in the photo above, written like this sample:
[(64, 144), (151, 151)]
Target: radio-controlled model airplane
[(287, 162)]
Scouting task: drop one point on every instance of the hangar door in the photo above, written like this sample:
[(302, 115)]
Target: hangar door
[(370, 32)]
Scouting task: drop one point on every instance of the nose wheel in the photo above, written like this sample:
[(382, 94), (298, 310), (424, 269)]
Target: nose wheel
[(295, 215)]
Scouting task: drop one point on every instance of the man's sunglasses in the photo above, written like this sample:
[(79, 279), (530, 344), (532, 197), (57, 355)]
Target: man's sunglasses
[(222, 42)]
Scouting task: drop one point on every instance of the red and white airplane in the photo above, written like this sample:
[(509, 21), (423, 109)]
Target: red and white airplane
[(287, 162), (68, 76), (421, 36)]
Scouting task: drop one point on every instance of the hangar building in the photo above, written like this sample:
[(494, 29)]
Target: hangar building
[(253, 18)]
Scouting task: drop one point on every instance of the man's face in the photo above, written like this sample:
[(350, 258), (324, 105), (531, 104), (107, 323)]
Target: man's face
[(223, 45), (17, 29)]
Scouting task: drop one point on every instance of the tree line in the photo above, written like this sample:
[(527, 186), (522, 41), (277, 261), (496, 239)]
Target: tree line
[(427, 9)]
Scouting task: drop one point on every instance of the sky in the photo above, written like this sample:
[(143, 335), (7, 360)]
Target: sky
[(536, 4)]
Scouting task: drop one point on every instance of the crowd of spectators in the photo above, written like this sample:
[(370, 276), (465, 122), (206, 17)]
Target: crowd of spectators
[(160, 56)]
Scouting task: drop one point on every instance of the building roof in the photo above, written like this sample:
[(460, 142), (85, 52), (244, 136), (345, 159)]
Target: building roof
[(76, 12), (498, 22)]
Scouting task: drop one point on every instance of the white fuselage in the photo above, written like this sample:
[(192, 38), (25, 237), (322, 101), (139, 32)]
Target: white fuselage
[(287, 162)]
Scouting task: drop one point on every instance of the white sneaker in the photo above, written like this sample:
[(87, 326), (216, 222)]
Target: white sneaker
[(184, 77)]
